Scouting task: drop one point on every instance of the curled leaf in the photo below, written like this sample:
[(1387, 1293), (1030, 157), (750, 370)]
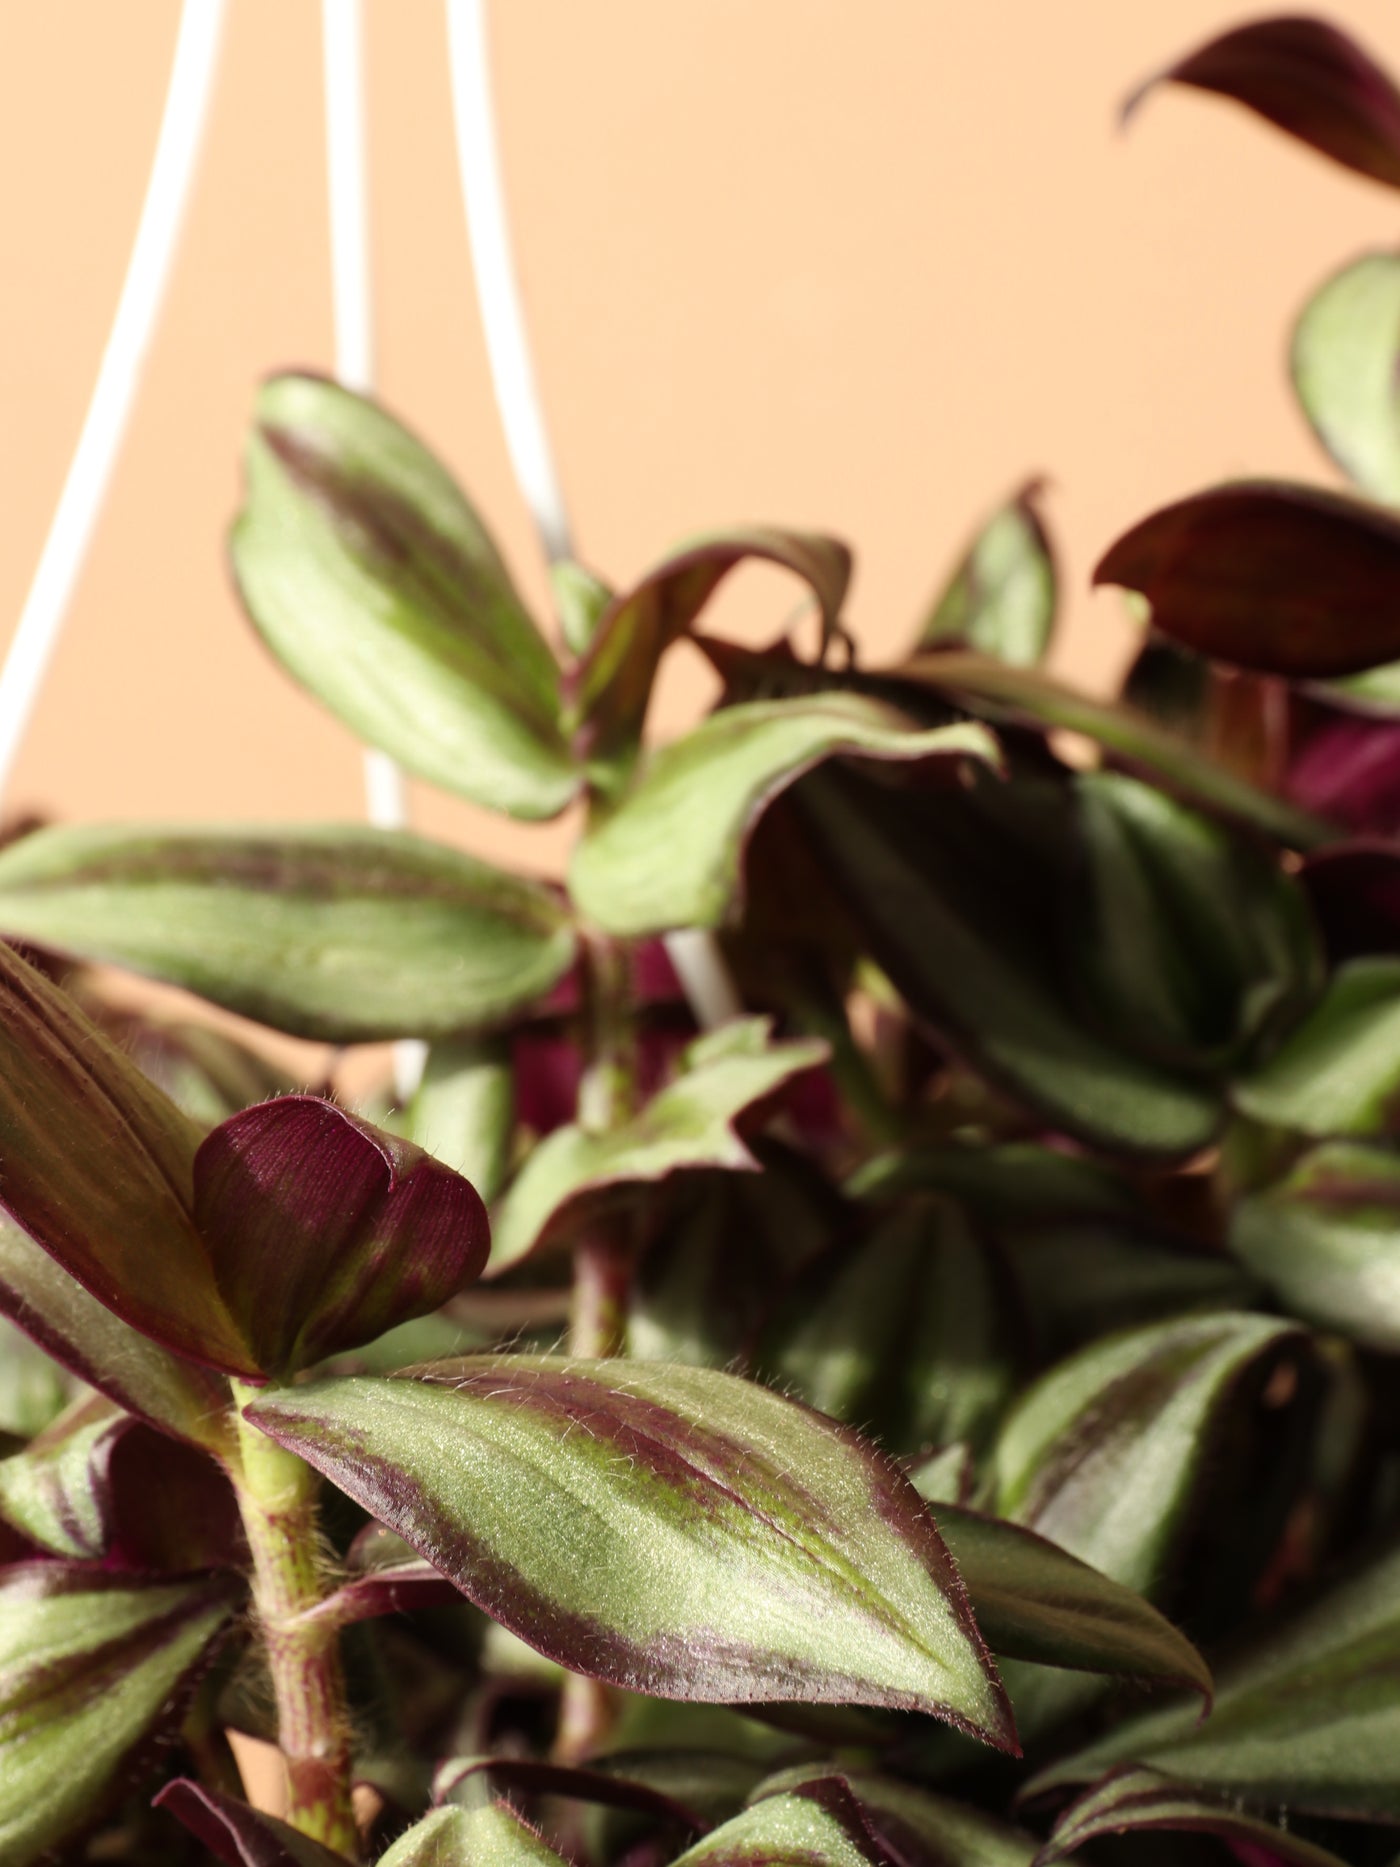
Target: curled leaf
[(674, 1530), (1130, 1801), (1307, 77), (326, 1231), (1346, 346), (238, 1835)]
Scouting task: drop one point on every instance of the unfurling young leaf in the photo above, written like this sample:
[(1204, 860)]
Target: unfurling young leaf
[(351, 935), (1309, 79), (375, 584), (325, 1231), (92, 1668), (613, 681), (674, 1530), (689, 1124), (1001, 598)]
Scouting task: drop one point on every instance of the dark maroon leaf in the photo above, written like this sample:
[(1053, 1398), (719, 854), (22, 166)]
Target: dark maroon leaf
[(1310, 80), (238, 1835), (458, 1779), (1349, 770), (1355, 894), (326, 1231), (1279, 578), (1132, 1801)]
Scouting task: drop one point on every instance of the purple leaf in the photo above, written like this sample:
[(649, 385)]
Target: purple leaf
[(1349, 770), (96, 1164), (1134, 1801), (1279, 578), (1309, 79), (673, 1530), (325, 1231), (460, 1779), (238, 1835)]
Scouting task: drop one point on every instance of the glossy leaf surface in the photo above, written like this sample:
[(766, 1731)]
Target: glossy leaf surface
[(177, 1396), (97, 1166), (1309, 79), (350, 935), (674, 1530), (376, 586), (1034, 1601), (952, 893), (613, 682), (688, 1124), (326, 1231), (670, 853), (1103, 1454), (1326, 1240), (1141, 1801), (1339, 1070), (91, 1669), (238, 1835), (1346, 346), (1279, 578), (1305, 1718), (1001, 598)]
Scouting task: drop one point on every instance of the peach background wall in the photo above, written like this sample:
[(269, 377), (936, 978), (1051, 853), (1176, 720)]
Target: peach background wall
[(853, 267)]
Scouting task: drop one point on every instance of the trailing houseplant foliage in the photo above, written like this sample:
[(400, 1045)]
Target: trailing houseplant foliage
[(872, 1432)]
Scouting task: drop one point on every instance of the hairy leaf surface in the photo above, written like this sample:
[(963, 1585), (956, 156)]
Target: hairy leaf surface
[(674, 1530), (670, 853), (1134, 1802), (350, 935), (238, 1835), (91, 1668), (376, 586)]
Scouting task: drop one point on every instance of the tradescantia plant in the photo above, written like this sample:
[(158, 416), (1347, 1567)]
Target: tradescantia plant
[(977, 1353)]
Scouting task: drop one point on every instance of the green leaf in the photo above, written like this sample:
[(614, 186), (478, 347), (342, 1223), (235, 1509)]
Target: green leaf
[(1140, 1801), (904, 1333), (463, 1111), (670, 853), (953, 892), (904, 1824), (673, 1530), (1326, 1240), (375, 584), (56, 1491), (816, 1825), (613, 681), (97, 1165), (34, 1389), (176, 1396), (1193, 942), (1338, 1071), (490, 1835), (1346, 346), (349, 935), (92, 1668), (1028, 695), (1306, 1717), (688, 1124), (1003, 1182), (581, 600), (1105, 1453), (1001, 598), (1036, 1602)]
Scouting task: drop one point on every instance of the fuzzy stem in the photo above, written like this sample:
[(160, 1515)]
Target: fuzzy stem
[(277, 1498)]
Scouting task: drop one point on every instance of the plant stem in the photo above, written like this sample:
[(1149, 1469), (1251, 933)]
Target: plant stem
[(277, 1498)]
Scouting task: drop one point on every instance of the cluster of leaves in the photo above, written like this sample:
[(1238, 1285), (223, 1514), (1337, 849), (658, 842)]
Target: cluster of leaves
[(981, 1351)]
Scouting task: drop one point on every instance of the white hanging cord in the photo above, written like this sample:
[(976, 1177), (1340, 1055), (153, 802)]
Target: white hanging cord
[(695, 955), (118, 377), (347, 175)]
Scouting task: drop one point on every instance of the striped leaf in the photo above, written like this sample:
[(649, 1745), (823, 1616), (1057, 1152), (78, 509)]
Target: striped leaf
[(1131, 1802), (1001, 598), (238, 1835), (613, 681), (92, 1668), (673, 1530), (905, 1826), (347, 935), (670, 853), (376, 586), (687, 1125)]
